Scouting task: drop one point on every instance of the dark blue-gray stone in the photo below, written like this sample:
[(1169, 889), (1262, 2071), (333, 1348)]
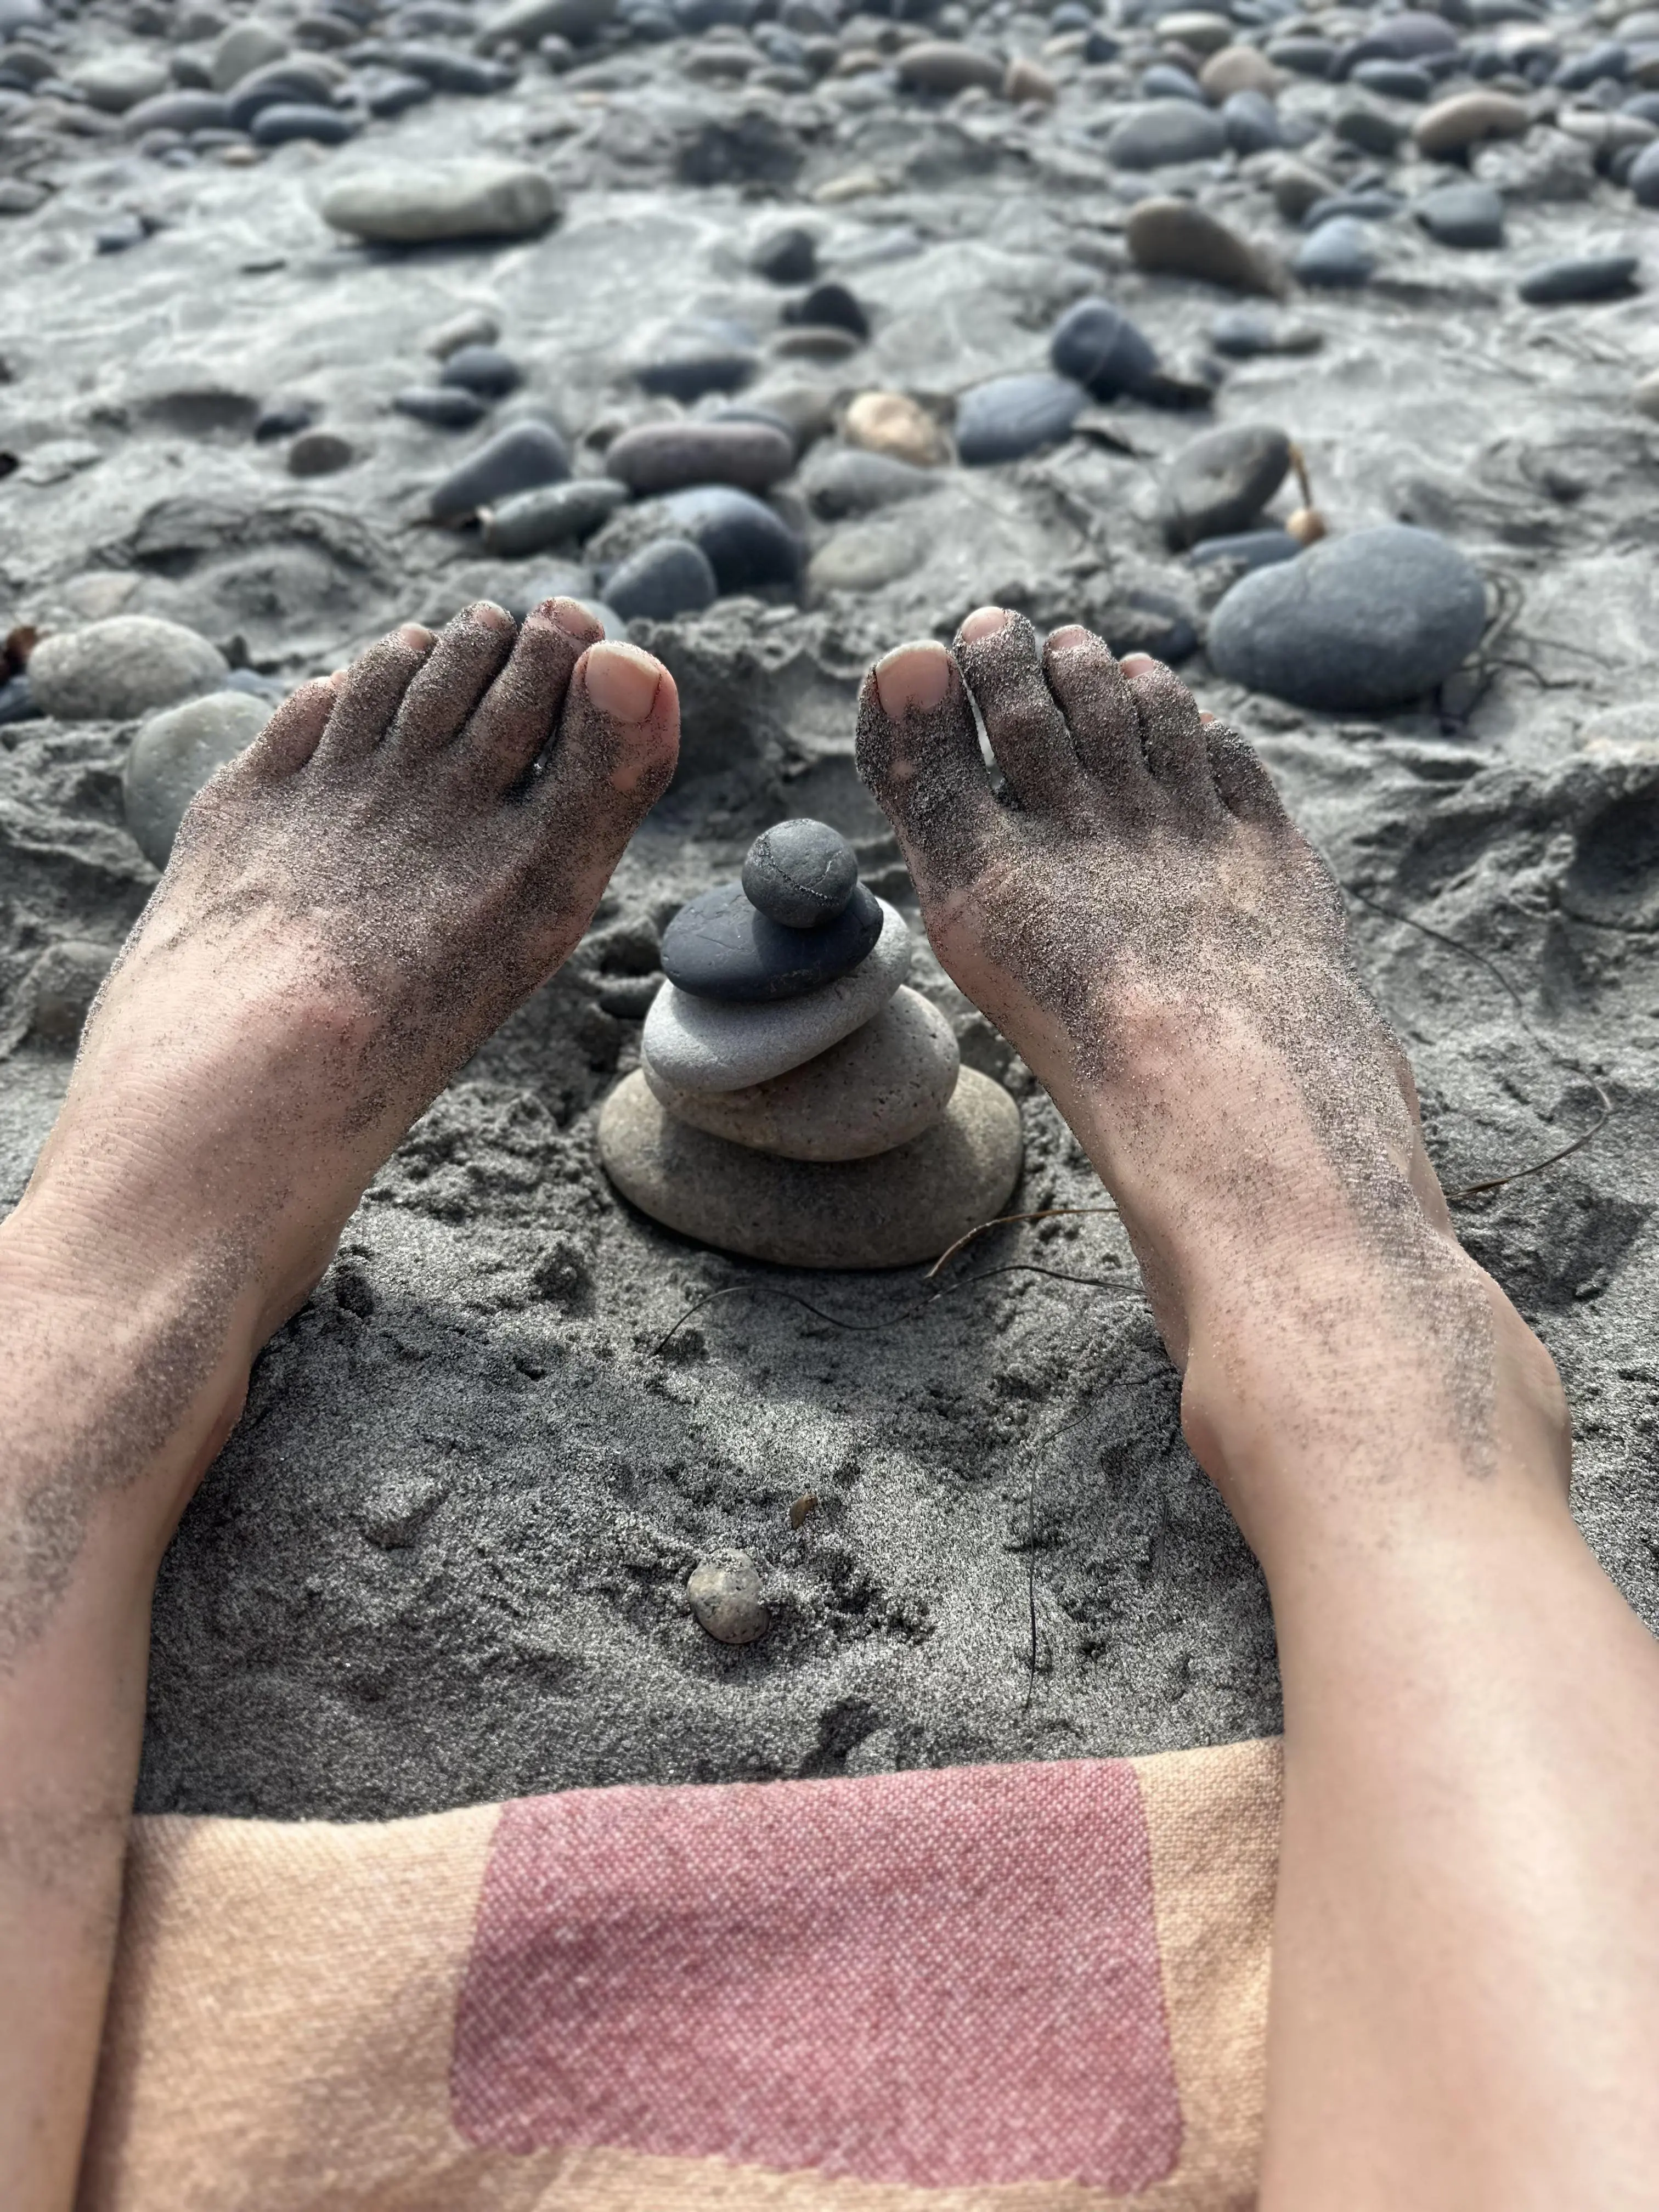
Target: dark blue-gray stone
[(1013, 415), (1253, 548), (720, 946), (1376, 205), (449, 71), (17, 701), (1367, 621), (1305, 56), (693, 365), (484, 369), (289, 84), (1395, 80), (1608, 59), (1360, 123), (445, 406), (552, 514), (1251, 122), (1338, 254), (1166, 131), (1469, 215), (1408, 36), (830, 305), (1094, 345), (284, 419), (513, 460), (178, 110), (1586, 276), (1163, 81), (1643, 175), (749, 544), (386, 93), (285, 121), (1219, 484), (669, 577), (801, 873), (842, 481), (1241, 333), (787, 256)]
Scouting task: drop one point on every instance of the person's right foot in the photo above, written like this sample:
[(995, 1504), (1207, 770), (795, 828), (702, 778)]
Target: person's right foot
[(1138, 916), (406, 851)]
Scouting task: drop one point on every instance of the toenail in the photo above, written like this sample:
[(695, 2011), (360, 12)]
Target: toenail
[(486, 612), (622, 681), (416, 636), (984, 621), (574, 621), (914, 679), (1069, 639), (1139, 664)]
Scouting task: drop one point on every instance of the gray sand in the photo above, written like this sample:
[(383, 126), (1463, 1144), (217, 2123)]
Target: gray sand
[(444, 1558)]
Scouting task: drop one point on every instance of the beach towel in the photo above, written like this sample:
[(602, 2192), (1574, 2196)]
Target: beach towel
[(986, 1989)]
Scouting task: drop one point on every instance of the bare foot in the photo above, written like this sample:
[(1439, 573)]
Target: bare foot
[(1138, 916), (407, 851)]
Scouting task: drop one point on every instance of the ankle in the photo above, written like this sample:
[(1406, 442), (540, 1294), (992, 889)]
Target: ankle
[(126, 1383), (1344, 1417)]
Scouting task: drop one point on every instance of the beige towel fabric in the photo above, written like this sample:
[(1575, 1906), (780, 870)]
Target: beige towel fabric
[(1014, 1988)]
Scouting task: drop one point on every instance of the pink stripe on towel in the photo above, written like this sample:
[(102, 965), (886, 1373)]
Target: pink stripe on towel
[(942, 1978)]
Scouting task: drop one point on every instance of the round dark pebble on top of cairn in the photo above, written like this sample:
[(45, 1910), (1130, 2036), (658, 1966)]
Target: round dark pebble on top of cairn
[(801, 873)]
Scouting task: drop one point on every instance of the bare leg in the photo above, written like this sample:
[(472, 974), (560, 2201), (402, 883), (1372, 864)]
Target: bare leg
[(1466, 1972), (403, 855)]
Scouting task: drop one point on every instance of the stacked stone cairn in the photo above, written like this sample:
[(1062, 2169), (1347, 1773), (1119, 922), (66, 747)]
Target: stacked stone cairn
[(796, 1102)]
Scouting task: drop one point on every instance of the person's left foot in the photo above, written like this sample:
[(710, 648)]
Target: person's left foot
[(406, 851)]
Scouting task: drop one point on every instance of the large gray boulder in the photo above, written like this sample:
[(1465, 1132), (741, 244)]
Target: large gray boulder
[(1367, 621)]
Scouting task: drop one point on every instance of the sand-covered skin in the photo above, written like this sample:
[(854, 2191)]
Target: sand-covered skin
[(444, 1558)]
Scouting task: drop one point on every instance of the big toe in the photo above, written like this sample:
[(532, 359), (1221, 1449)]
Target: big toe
[(618, 739), (918, 754)]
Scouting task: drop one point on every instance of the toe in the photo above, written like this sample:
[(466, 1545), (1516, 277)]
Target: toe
[(998, 654), (614, 754), (365, 697), (514, 722), (918, 752), (293, 733), (1243, 785), (1094, 696), (1172, 736), (457, 673)]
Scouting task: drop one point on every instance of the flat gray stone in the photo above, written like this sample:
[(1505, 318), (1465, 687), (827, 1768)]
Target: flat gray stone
[(1166, 131), (699, 1044), (875, 1090), (126, 665), (1219, 484), (398, 206), (172, 756), (720, 946), (901, 1207)]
